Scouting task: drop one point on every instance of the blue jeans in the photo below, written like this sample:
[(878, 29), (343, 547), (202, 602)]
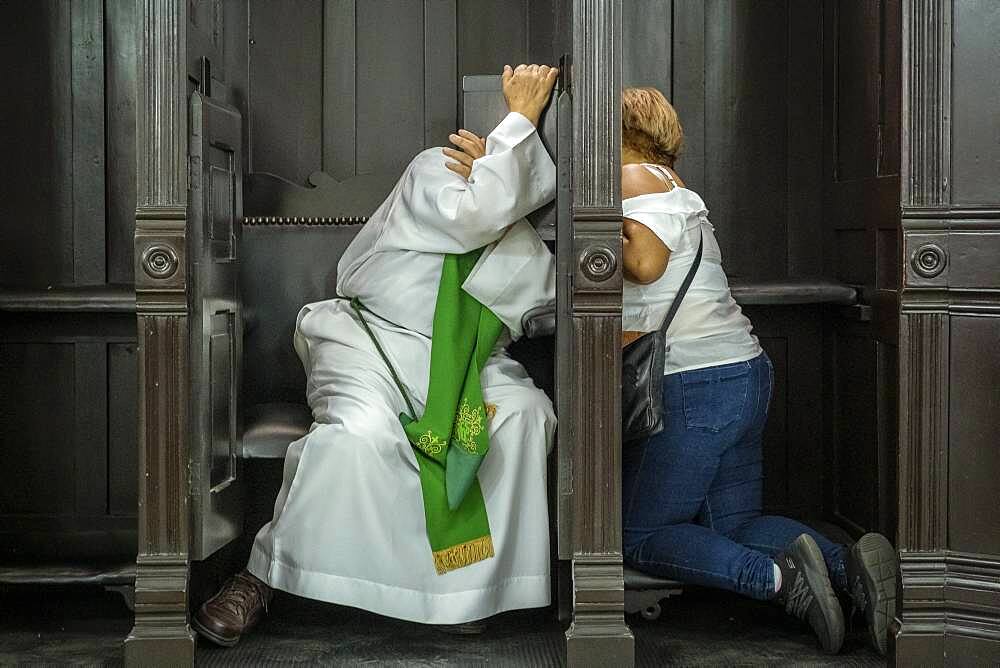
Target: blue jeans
[(691, 495)]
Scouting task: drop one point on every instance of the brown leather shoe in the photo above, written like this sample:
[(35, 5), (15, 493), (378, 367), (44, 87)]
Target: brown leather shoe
[(238, 606)]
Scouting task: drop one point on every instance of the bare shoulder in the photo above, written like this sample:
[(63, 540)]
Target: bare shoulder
[(637, 180)]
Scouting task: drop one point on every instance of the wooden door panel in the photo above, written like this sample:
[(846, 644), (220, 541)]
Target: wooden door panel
[(861, 210), (216, 208)]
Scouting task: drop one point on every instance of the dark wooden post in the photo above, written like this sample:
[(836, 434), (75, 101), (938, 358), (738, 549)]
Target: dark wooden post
[(949, 370), (598, 635), (161, 635)]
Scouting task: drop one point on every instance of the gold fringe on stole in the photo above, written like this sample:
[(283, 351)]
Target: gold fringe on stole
[(463, 554)]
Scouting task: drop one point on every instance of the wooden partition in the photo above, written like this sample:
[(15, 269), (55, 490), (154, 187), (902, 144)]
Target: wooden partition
[(949, 463)]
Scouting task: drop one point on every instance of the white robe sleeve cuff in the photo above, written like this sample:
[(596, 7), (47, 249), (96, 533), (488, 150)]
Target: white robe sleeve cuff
[(514, 276), (513, 130)]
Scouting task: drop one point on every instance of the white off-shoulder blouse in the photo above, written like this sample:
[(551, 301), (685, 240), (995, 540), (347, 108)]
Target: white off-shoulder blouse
[(709, 328)]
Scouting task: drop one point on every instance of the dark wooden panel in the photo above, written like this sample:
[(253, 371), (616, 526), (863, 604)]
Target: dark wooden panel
[(892, 98), (390, 53), (37, 428), (792, 336), (37, 169), (120, 65), (976, 88), (974, 422), (90, 428), (804, 172), (746, 133), (855, 455), (688, 86), (339, 89), (286, 75), (887, 422), (491, 34), (544, 35), (122, 426), (776, 445), (88, 142), (441, 86), (647, 44), (858, 35)]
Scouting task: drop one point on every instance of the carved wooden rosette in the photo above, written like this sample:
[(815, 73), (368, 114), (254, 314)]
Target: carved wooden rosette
[(598, 634), (161, 635)]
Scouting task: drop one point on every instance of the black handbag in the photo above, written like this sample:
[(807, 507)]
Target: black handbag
[(643, 363)]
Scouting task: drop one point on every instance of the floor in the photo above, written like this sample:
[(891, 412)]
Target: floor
[(84, 626)]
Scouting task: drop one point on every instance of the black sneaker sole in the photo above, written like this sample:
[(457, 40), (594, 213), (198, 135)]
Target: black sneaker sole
[(213, 637), (813, 566), (873, 559)]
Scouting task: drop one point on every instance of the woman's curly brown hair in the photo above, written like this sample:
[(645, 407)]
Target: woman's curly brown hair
[(650, 125)]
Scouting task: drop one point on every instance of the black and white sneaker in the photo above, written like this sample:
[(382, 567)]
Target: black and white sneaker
[(872, 572), (807, 594)]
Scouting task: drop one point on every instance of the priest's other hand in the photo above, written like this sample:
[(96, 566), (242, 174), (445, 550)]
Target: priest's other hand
[(527, 88), (470, 146)]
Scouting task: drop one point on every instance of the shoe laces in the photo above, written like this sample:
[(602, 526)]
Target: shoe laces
[(800, 597), (244, 594)]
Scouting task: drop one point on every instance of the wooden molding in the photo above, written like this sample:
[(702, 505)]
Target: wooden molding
[(598, 634), (161, 635), (923, 431), (926, 103)]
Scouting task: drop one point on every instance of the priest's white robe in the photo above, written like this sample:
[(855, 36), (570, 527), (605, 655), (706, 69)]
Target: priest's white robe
[(348, 524)]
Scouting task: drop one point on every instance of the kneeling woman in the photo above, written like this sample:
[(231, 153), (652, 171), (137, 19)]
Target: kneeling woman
[(691, 495)]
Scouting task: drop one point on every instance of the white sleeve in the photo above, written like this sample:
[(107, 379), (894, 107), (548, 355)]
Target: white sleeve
[(667, 226), (514, 276), (441, 212)]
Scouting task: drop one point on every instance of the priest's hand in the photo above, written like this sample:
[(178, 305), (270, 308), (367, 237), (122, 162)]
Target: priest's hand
[(470, 146), (527, 89)]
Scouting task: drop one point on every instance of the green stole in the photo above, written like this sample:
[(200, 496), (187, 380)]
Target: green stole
[(451, 439)]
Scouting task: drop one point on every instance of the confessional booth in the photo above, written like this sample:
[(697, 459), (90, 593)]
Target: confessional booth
[(223, 154)]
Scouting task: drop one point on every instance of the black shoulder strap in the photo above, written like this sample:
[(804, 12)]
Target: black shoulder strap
[(685, 285)]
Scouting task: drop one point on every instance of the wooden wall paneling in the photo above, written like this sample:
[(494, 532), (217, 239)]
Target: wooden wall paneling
[(544, 32), (793, 444), (887, 434), (58, 432), (390, 98), (858, 40), (123, 474), (120, 81), (688, 87), (340, 88), (804, 132), (161, 634), (975, 136), (973, 455), (441, 84), (855, 471), (491, 34), (205, 38), (90, 429), (647, 27), (746, 119), (41, 422), (38, 255), (88, 143), (286, 83), (776, 437)]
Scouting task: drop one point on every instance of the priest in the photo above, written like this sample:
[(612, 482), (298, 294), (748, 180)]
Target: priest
[(420, 490)]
